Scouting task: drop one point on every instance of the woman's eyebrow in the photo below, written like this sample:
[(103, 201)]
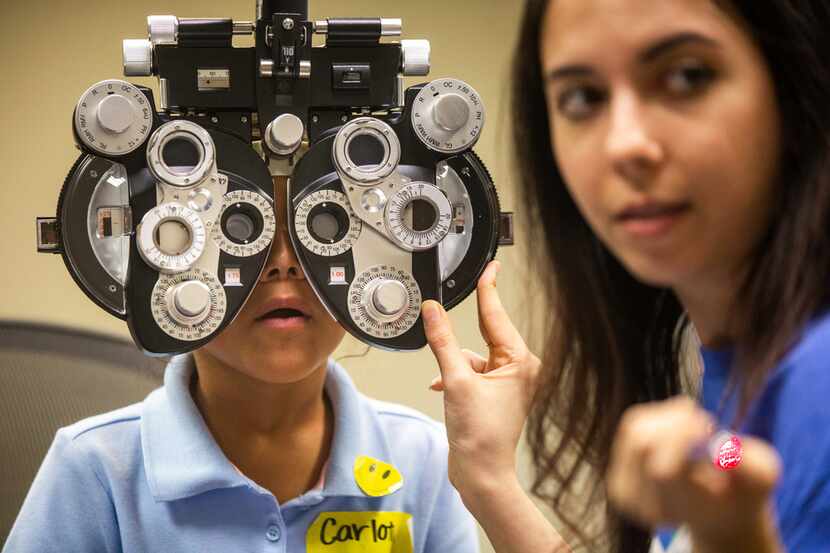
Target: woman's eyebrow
[(566, 71), (675, 41), (650, 54)]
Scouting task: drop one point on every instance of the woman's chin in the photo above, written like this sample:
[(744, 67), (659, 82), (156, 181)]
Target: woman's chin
[(660, 273)]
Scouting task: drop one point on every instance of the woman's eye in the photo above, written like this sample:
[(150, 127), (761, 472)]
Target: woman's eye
[(688, 78), (579, 103)]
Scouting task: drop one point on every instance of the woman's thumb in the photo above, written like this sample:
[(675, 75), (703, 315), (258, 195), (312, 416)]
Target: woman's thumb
[(442, 341)]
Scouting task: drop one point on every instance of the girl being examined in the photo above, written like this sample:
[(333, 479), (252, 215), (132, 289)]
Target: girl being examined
[(256, 442)]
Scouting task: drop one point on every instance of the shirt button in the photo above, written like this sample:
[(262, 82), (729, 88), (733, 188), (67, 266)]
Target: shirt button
[(273, 533)]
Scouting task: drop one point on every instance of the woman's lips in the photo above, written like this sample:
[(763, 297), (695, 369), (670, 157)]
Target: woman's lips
[(651, 220)]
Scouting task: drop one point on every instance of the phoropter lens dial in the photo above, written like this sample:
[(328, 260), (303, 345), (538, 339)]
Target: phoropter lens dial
[(246, 224), (241, 223), (328, 223), (418, 216), (325, 223), (171, 238), (180, 153), (448, 116), (366, 150), (113, 117)]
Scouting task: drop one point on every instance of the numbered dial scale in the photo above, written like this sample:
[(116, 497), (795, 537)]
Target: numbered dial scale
[(245, 225), (164, 259), (325, 223), (190, 305), (418, 235), (384, 301)]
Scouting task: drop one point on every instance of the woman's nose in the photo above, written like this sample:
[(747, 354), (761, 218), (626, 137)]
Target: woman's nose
[(631, 145)]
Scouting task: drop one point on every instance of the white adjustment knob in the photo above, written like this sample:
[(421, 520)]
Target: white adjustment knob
[(115, 114), (415, 53), (451, 112), (190, 301), (163, 29), (284, 134), (138, 57), (390, 297)]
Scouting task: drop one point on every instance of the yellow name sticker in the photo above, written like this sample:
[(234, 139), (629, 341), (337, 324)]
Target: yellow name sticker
[(360, 532)]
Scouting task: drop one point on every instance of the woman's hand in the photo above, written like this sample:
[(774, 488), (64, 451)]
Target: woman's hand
[(654, 480), (486, 401)]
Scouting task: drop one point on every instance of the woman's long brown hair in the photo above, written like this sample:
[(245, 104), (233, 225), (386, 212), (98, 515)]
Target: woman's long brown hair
[(613, 341)]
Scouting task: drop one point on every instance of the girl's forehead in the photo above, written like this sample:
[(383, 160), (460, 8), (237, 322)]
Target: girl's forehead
[(578, 28)]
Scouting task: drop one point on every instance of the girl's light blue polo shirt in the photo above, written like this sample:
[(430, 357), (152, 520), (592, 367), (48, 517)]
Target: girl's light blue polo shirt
[(151, 478)]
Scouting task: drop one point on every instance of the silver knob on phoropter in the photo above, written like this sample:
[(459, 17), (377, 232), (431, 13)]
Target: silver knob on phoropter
[(284, 134), (189, 302), (448, 116), (115, 114), (415, 54), (391, 26), (305, 69), (266, 68), (163, 29), (113, 117), (138, 57), (384, 301), (190, 305), (451, 112), (390, 297)]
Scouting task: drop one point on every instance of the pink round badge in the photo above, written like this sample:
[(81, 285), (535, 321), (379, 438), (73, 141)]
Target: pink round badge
[(726, 450)]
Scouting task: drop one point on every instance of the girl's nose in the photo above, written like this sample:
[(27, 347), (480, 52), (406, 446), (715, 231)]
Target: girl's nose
[(282, 261)]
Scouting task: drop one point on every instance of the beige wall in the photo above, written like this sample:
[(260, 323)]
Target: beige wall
[(53, 50)]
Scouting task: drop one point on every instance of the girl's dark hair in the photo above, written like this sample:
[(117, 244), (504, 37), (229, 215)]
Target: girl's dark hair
[(613, 341)]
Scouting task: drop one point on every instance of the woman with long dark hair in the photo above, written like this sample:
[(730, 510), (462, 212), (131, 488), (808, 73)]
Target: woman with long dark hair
[(675, 156)]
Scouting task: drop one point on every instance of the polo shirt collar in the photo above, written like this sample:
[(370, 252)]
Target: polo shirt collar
[(182, 459)]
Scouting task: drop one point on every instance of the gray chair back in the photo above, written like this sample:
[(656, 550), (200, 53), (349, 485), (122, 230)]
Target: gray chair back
[(51, 377)]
